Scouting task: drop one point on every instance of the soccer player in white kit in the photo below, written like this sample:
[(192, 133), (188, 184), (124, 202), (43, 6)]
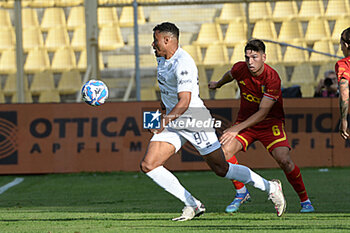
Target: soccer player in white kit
[(178, 82)]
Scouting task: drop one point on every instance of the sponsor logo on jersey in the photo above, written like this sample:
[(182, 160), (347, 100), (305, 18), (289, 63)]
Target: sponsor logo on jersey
[(251, 98), (242, 82)]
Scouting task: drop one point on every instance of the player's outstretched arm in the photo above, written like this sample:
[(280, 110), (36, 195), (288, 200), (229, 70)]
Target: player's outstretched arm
[(344, 107), (264, 108), (182, 105), (225, 79)]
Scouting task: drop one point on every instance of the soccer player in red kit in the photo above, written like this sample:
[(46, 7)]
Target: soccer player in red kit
[(342, 68), (261, 117)]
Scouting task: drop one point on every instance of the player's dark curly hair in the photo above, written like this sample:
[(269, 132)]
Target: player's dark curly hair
[(345, 36), (255, 45), (168, 27)]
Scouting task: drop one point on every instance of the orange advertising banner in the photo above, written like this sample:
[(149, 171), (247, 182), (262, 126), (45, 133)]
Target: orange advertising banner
[(61, 138)]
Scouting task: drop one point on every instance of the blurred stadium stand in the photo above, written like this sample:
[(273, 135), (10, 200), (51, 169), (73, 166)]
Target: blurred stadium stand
[(213, 32)]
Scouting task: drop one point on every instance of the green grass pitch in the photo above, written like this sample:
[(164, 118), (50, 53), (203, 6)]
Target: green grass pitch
[(131, 202)]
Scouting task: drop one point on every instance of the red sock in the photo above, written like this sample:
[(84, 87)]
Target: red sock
[(295, 179), (237, 184)]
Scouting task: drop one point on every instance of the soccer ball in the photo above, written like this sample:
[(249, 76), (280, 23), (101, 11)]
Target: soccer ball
[(94, 92)]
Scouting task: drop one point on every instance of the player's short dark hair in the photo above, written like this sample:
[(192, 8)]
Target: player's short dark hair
[(345, 35), (255, 45), (168, 27)]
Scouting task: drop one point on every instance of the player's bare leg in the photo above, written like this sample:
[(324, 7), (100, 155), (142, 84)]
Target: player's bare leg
[(242, 194), (292, 172), (152, 164), (217, 162)]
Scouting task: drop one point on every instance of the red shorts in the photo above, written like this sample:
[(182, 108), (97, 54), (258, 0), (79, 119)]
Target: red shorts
[(271, 134)]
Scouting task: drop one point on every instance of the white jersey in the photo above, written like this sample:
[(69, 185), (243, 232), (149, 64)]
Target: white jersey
[(177, 74)]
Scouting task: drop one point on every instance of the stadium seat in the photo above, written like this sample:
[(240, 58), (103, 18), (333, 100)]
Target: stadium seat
[(8, 62), (79, 39), (32, 38), (57, 37), (11, 3), (121, 61), (291, 30), (293, 56), (7, 38), (10, 86), (216, 55), (42, 81), (37, 61), (340, 25), (307, 90), (69, 3), (337, 8), (219, 71), (29, 18), (70, 82), (236, 33), (228, 91), (110, 38), (264, 29), (209, 33), (107, 16), (281, 70), (317, 29), (340, 52), (83, 61), (127, 16), (284, 10), (5, 20), (238, 53), (148, 94), (310, 9), (49, 97), (42, 3), (231, 12), (273, 53), (259, 11), (128, 61), (53, 17), (144, 39), (324, 46), (2, 97), (187, 14), (204, 92), (76, 18), (303, 73), (27, 97), (186, 38), (323, 68), (195, 53), (148, 61), (63, 60), (202, 76)]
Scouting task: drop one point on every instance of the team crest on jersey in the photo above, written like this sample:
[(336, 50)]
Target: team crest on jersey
[(263, 89)]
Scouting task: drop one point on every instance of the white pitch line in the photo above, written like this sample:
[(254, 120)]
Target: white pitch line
[(11, 184)]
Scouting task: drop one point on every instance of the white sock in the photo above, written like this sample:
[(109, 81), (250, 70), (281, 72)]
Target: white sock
[(171, 184), (242, 190), (247, 176)]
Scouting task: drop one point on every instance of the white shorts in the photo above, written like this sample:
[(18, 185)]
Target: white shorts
[(204, 142)]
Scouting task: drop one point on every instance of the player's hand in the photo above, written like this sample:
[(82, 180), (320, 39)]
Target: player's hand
[(343, 129), (157, 131), (228, 135), (213, 85)]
